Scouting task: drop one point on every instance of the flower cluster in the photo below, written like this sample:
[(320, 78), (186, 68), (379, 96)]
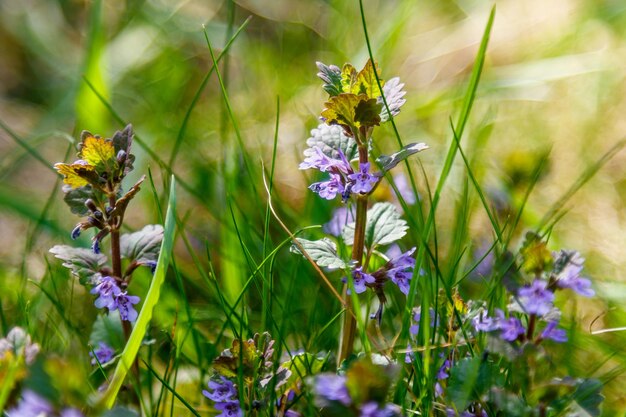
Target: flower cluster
[(102, 355), (224, 394), (111, 296)]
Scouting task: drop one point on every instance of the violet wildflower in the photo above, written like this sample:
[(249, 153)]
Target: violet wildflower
[(124, 303), (317, 159), (553, 333), (536, 298), (76, 232), (223, 390), (373, 409), (442, 375), (103, 354), (107, 290), (363, 181), (331, 388), (341, 217), (510, 328), (570, 265), (483, 323), (402, 279), (360, 280), (229, 409), (400, 270), (31, 405), (328, 189)]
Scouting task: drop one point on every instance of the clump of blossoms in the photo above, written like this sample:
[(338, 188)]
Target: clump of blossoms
[(341, 149), (94, 190), (246, 380), (500, 360), (34, 405)]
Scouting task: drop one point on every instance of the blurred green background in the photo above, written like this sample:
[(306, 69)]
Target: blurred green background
[(554, 81)]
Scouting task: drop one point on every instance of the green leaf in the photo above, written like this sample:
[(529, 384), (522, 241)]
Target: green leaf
[(75, 198), (366, 81), (331, 75), (107, 399), (388, 162), (323, 252), (107, 329), (463, 377), (384, 226), (330, 140), (142, 246), (83, 263), (511, 405), (232, 360), (301, 366), (352, 111), (588, 396)]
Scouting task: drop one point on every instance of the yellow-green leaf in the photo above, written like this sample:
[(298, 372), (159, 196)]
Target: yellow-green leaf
[(348, 77), (535, 253), (77, 174), (352, 111), (366, 81), (98, 152)]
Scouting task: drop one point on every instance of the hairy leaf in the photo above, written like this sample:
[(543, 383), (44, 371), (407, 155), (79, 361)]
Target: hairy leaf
[(330, 140), (463, 376), (98, 152), (384, 226), (352, 111), (389, 162), (366, 83), (142, 246), (588, 396), (122, 203), (348, 77), (394, 96), (83, 263), (331, 75), (77, 174), (75, 198), (323, 252), (234, 359)]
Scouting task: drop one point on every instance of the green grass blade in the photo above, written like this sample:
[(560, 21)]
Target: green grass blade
[(139, 330)]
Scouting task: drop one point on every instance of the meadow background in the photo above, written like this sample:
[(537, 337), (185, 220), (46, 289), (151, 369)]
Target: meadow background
[(553, 88)]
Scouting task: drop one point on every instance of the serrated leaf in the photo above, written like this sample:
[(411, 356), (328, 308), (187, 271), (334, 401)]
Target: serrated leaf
[(352, 111), (122, 203), (98, 152), (232, 360), (394, 96), (83, 263), (366, 83), (463, 377), (77, 174), (75, 199), (388, 162), (384, 226), (142, 246), (330, 140), (323, 252), (348, 77), (331, 75)]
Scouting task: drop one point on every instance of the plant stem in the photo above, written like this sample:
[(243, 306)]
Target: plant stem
[(348, 330)]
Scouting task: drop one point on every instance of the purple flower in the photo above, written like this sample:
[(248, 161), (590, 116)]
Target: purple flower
[(328, 189), (229, 409), (404, 260), (510, 328), (417, 317), (107, 290), (103, 354), (483, 323), (329, 388), (536, 298), (124, 303), (315, 158), (363, 180), (341, 217), (373, 409), (76, 232), (553, 333), (409, 356), (223, 390), (360, 279), (31, 405), (400, 270), (571, 265), (401, 278)]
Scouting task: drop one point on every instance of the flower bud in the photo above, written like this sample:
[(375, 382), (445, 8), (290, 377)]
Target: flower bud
[(89, 203)]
